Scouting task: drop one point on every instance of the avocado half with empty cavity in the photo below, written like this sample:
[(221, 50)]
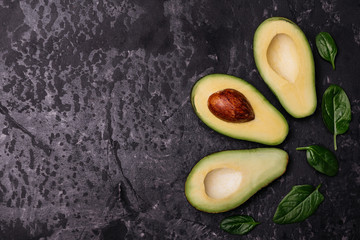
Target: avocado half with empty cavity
[(222, 181), (284, 59), (233, 107)]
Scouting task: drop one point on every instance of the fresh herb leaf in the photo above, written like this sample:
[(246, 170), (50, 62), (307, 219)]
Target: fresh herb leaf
[(326, 47), (336, 110), (300, 203), (322, 159), (239, 224)]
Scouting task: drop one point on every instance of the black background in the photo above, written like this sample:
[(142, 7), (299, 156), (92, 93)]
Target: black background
[(98, 133)]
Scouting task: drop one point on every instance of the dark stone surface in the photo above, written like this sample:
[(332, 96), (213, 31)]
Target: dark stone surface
[(98, 133)]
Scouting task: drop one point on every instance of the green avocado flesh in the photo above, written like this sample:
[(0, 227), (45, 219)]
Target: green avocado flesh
[(285, 62), (268, 127), (223, 181)]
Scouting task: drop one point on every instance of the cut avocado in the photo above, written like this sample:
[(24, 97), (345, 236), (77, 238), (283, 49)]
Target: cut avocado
[(262, 123), (222, 181), (285, 62)]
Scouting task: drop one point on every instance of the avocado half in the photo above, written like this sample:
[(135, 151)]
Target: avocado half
[(269, 125), (223, 181), (284, 59)]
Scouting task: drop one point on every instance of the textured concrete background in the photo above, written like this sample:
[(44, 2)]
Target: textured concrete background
[(98, 133)]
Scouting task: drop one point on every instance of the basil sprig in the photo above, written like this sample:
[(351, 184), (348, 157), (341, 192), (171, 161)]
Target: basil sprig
[(326, 47), (300, 203), (336, 110), (239, 224), (322, 159)]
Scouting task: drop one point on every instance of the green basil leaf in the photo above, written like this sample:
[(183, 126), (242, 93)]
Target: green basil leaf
[(326, 47), (322, 159), (239, 224), (300, 203), (336, 110)]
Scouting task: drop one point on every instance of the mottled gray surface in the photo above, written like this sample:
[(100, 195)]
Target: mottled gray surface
[(98, 133)]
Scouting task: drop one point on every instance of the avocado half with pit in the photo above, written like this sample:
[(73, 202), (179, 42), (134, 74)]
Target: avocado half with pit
[(233, 107), (284, 59), (223, 181)]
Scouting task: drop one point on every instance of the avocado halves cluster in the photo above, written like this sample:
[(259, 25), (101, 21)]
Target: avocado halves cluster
[(235, 108)]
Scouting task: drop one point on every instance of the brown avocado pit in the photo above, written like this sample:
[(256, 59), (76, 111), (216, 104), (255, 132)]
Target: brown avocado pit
[(231, 105)]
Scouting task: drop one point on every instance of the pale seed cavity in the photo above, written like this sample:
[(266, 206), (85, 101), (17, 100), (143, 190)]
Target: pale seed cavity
[(222, 182)]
